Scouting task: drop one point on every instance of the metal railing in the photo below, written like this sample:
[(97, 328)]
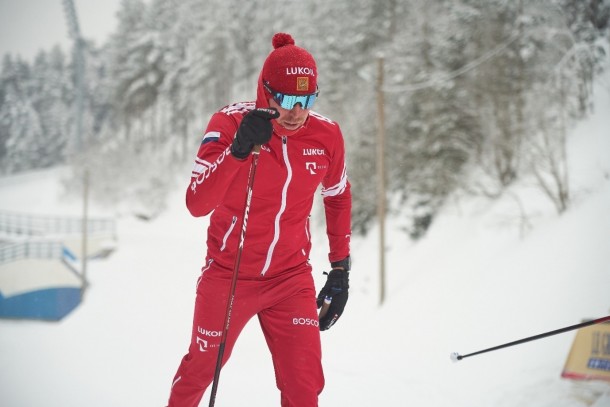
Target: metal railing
[(31, 250), (25, 236), (25, 225)]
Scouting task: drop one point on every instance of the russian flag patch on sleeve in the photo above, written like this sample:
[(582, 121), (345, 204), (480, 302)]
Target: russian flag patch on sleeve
[(210, 136)]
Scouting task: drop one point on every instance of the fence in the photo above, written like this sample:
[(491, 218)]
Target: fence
[(31, 250), (15, 224), (45, 237)]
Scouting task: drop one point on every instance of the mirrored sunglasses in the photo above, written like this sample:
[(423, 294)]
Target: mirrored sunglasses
[(288, 101)]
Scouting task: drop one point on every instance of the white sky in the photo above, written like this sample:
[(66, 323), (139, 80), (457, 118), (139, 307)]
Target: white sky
[(26, 26)]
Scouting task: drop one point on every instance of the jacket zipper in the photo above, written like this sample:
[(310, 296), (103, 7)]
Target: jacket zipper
[(306, 234), (226, 236), (203, 270), (276, 228)]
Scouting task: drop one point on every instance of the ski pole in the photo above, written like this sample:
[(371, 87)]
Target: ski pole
[(456, 356), (242, 236)]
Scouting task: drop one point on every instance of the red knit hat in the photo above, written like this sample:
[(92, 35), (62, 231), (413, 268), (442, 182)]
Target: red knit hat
[(289, 69)]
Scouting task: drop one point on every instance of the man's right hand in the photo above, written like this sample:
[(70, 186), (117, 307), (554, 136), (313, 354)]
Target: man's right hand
[(255, 129)]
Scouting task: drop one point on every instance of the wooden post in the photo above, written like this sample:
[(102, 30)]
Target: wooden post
[(85, 233), (381, 179)]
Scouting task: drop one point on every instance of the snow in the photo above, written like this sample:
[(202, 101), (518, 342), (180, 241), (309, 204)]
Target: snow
[(475, 281)]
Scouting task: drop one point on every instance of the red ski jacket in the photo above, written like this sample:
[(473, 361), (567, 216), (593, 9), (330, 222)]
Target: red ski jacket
[(290, 169)]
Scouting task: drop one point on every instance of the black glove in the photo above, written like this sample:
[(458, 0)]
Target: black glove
[(255, 129), (333, 297)]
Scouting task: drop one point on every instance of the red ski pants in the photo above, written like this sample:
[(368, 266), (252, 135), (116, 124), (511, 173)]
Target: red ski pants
[(286, 309)]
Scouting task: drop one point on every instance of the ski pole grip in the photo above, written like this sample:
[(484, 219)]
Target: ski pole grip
[(325, 307)]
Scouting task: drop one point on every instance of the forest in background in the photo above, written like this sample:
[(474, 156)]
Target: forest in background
[(477, 94)]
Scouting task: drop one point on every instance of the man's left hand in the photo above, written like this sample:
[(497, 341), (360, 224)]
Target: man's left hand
[(333, 297)]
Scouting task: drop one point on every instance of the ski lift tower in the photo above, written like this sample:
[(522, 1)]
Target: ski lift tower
[(79, 72), (80, 142)]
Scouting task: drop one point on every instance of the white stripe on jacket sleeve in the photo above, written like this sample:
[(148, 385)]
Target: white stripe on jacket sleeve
[(338, 188)]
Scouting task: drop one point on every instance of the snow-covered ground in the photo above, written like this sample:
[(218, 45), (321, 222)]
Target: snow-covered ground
[(473, 282)]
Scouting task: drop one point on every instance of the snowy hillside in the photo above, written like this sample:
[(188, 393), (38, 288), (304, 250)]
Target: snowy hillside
[(473, 282)]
